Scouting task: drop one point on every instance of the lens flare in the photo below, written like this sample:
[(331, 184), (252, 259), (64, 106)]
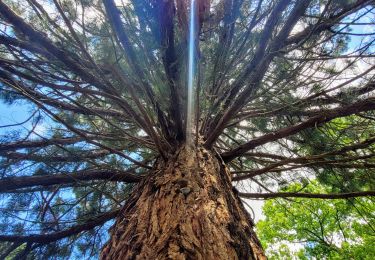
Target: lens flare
[(191, 72)]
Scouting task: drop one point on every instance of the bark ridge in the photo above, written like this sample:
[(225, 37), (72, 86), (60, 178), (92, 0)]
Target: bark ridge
[(185, 209)]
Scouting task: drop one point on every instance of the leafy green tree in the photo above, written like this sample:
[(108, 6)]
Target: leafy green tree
[(134, 120), (316, 228)]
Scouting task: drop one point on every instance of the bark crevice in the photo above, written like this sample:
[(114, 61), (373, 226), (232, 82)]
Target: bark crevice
[(185, 209)]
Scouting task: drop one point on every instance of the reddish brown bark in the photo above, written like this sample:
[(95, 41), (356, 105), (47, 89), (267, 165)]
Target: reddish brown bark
[(186, 209)]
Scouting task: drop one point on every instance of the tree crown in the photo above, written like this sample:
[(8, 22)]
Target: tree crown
[(284, 92)]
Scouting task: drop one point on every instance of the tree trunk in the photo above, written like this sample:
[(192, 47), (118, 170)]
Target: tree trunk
[(186, 209)]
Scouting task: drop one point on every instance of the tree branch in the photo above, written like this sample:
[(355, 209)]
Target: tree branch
[(94, 154), (51, 237), (116, 23), (166, 15), (360, 106), (255, 71), (13, 183), (326, 24), (38, 143)]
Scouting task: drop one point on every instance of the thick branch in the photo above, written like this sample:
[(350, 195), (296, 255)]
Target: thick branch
[(39, 38), (51, 237), (314, 160), (73, 157), (5, 40), (326, 24), (166, 17), (38, 143), (13, 183), (298, 108), (361, 106)]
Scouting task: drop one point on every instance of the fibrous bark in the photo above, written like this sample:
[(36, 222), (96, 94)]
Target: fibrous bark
[(185, 209)]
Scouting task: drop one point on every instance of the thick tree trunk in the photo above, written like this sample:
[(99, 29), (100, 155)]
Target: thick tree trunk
[(186, 209)]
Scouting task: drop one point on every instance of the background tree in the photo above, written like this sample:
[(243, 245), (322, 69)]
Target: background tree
[(325, 229), (284, 92)]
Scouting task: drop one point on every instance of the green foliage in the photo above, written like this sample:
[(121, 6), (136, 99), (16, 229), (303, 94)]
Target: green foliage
[(318, 229)]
